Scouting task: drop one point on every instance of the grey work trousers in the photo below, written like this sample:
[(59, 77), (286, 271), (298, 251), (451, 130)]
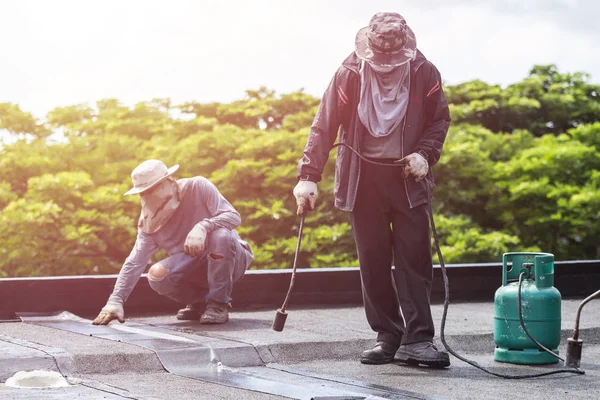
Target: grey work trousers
[(210, 276), (386, 229)]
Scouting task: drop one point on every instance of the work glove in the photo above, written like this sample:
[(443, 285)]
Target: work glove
[(195, 242), (112, 310), (415, 165), (306, 195)]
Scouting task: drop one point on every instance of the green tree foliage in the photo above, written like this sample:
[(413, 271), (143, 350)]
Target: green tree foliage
[(520, 171), (544, 102)]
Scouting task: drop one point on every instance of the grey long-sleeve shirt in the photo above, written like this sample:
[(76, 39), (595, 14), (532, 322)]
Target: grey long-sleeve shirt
[(201, 203)]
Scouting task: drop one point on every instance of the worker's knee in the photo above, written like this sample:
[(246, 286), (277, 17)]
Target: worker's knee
[(220, 243), (157, 272)]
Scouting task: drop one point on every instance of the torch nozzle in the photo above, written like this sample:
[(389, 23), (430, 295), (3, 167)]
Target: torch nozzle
[(573, 358)]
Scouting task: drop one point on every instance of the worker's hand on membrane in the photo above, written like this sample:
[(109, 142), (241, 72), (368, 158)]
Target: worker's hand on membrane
[(415, 165), (306, 195), (195, 242), (109, 312)]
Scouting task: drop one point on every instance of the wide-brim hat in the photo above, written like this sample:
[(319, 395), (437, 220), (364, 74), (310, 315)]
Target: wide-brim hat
[(387, 40), (149, 174)]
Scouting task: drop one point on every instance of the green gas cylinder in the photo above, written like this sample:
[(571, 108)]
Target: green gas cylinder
[(540, 304)]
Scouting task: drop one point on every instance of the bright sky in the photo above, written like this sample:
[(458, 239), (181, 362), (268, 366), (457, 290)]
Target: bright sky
[(59, 52)]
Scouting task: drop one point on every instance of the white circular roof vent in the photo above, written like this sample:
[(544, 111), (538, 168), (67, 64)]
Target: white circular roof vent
[(37, 379)]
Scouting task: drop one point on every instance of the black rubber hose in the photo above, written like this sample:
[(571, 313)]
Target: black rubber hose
[(534, 340)]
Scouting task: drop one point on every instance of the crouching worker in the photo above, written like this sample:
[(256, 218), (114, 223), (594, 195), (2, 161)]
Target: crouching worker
[(195, 225)]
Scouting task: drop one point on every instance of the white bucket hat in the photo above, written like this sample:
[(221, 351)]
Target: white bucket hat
[(149, 174)]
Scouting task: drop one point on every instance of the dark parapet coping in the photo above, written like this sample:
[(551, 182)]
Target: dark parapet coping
[(85, 295)]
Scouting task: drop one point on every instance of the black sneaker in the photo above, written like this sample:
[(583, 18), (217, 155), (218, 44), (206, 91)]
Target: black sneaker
[(216, 313), (382, 353), (422, 353), (191, 312)]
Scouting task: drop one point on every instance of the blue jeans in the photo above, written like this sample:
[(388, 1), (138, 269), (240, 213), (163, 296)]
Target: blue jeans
[(209, 276)]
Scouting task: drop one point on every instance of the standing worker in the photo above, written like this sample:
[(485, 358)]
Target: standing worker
[(388, 99)]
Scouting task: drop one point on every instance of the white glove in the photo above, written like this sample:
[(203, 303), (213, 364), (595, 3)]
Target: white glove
[(306, 195), (195, 241), (416, 165), (109, 312)]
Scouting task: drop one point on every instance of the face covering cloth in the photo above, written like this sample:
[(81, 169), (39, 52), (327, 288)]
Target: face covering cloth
[(384, 96), (159, 205)]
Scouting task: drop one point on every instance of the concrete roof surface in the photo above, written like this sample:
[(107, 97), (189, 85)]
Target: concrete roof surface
[(316, 355)]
